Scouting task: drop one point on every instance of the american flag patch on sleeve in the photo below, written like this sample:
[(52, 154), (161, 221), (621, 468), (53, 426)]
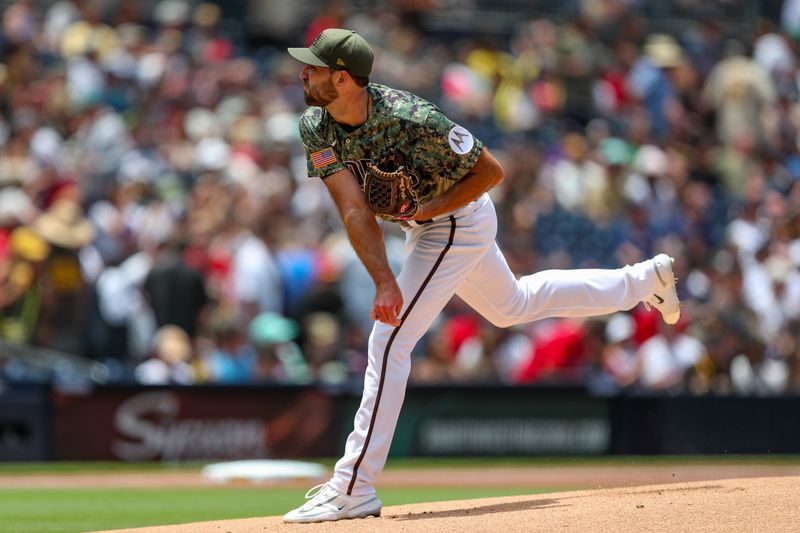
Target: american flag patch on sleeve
[(323, 158)]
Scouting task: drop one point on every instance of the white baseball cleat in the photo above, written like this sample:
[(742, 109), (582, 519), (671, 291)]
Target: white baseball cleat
[(327, 504), (665, 297)]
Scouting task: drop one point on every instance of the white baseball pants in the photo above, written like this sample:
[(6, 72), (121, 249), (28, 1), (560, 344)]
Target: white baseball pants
[(457, 254)]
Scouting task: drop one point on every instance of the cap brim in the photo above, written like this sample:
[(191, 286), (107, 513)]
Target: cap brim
[(304, 55)]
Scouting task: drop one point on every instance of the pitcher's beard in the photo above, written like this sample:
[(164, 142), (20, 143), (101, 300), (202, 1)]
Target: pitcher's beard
[(322, 97)]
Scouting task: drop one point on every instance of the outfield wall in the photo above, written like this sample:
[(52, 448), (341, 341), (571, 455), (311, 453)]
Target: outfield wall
[(198, 423)]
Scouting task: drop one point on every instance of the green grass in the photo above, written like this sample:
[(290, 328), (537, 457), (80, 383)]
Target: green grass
[(67, 467), (75, 510)]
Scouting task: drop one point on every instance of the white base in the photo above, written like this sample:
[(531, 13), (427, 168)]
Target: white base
[(261, 470)]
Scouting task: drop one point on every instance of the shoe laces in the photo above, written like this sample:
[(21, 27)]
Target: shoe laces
[(315, 491)]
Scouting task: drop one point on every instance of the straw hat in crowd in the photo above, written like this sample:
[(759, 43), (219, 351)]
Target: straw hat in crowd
[(64, 225), (663, 50)]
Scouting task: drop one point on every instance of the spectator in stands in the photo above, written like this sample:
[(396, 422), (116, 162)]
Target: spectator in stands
[(560, 348), (232, 360), (740, 91), (175, 291), (649, 82), (255, 276), (279, 358), (618, 368), (437, 366), (22, 254), (65, 293), (665, 358), (121, 324), (772, 290), (170, 362), (574, 177)]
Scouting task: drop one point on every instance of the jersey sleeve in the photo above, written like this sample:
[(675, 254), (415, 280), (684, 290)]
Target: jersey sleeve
[(446, 150), (322, 156)]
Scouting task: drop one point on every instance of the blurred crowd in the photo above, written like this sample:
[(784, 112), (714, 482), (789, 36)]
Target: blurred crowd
[(156, 215)]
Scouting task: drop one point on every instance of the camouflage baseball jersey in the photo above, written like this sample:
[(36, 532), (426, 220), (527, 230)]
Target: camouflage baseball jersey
[(437, 151)]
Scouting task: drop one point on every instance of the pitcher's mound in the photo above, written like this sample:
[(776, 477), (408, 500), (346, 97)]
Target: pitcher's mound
[(754, 504)]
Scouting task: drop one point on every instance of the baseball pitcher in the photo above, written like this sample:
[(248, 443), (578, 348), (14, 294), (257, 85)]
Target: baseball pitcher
[(390, 154)]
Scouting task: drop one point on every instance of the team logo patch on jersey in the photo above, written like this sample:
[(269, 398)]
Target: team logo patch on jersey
[(323, 158), (461, 141)]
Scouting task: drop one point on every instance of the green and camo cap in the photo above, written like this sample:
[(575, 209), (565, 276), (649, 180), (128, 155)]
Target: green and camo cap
[(338, 49)]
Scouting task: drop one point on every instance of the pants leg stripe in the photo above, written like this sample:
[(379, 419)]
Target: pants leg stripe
[(388, 347)]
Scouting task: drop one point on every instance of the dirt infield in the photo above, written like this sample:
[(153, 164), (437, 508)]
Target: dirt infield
[(751, 504)]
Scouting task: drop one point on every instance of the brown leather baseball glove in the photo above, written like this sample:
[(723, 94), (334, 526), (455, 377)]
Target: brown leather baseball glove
[(388, 190)]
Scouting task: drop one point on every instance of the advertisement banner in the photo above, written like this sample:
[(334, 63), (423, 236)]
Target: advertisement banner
[(193, 423), (514, 436), (486, 421)]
